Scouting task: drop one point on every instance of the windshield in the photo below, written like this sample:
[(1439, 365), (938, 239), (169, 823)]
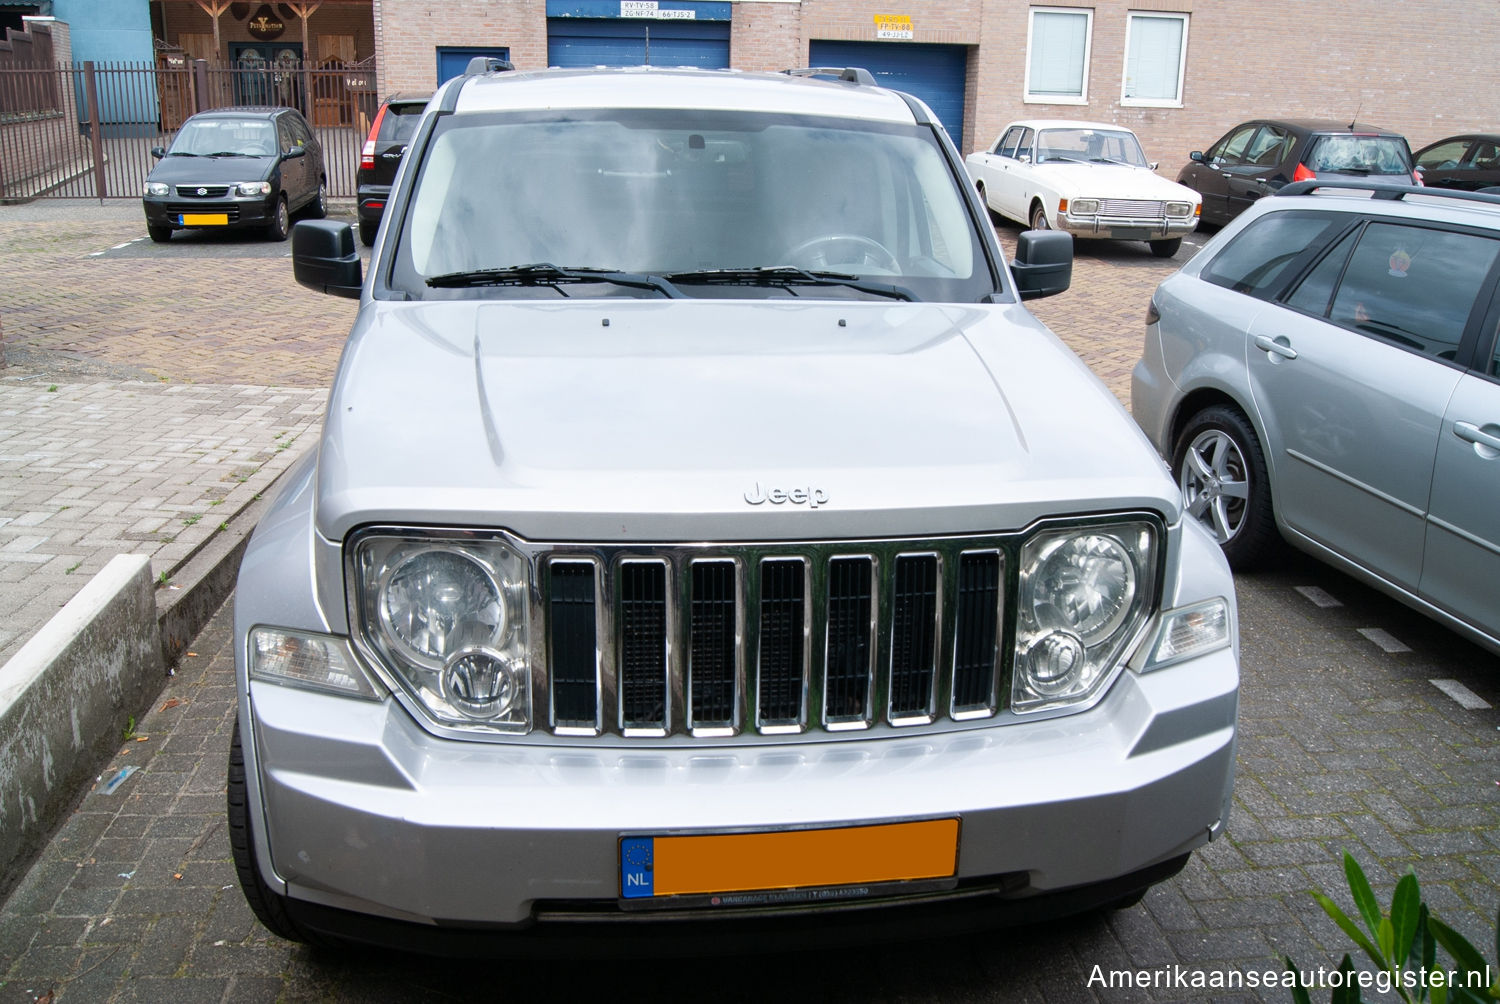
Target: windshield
[(1099, 146), (1360, 155), (232, 137), (728, 204)]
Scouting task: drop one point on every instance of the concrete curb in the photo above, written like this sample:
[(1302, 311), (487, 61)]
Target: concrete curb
[(69, 693)]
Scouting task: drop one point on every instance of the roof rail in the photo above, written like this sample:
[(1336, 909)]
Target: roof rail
[(487, 64), (1387, 190), (849, 74)]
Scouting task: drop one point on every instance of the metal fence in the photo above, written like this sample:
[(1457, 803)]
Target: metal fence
[(86, 130)]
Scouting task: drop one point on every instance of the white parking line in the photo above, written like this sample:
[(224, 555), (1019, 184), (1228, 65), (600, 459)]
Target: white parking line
[(1319, 596), (1463, 695), (1384, 639)]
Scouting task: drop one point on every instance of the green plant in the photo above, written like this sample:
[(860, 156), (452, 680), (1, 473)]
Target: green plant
[(224, 525), (52, 389), (130, 728), (161, 580), (189, 521), (72, 568), (1402, 942)]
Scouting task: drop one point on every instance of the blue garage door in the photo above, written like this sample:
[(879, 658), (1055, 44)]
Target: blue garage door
[(934, 73), (453, 60), (621, 42)]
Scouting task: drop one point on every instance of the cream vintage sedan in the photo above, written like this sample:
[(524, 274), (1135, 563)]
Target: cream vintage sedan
[(1086, 178)]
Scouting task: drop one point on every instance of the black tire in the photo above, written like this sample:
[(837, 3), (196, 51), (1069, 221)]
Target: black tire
[(1166, 248), (269, 907), (1228, 454), (281, 222), (367, 232), (159, 234), (1039, 217), (318, 207)]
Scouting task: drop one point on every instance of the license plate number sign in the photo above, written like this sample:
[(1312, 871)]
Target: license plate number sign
[(205, 219), (652, 867)]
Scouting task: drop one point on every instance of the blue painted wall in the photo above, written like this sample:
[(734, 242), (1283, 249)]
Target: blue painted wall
[(114, 31)]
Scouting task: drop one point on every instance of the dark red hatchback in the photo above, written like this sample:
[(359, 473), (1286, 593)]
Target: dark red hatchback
[(1256, 158)]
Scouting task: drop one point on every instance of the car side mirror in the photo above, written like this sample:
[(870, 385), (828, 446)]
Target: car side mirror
[(295, 151), (1197, 157), (158, 152), (324, 258), (1154, 164), (1043, 265)]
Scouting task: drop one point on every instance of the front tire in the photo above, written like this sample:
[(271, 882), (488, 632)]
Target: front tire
[(1039, 217), (268, 906), (1221, 473), (281, 222), (159, 235), (1166, 248)]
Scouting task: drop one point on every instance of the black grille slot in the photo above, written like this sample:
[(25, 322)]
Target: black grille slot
[(712, 662), (914, 605), (643, 645), (847, 673), (975, 647), (572, 641), (783, 602)]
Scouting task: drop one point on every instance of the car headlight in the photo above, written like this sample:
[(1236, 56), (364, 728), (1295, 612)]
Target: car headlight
[(1179, 209), (449, 618), (1085, 593), (157, 189), (1083, 207), (253, 188)]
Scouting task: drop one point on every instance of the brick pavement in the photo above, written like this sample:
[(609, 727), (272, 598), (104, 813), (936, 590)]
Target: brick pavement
[(1342, 746)]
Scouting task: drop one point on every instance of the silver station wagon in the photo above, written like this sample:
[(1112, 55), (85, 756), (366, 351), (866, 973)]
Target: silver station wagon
[(1326, 371), (703, 535)]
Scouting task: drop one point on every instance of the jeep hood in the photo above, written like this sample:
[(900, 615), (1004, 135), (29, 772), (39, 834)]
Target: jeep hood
[(721, 420)]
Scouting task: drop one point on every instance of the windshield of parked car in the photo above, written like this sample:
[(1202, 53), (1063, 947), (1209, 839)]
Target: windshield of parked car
[(1350, 154), (225, 137), (1091, 146), (722, 204)]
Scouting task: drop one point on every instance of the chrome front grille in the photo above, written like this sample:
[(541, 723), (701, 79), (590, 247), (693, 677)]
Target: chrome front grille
[(1133, 209), (712, 641)]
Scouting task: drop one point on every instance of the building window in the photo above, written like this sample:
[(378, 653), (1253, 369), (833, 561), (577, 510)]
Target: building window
[(1057, 55), (1155, 54)]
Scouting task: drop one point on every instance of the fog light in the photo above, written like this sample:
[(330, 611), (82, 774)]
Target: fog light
[(480, 683), (1055, 663)]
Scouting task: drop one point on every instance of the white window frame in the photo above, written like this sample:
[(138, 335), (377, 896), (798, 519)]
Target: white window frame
[(1088, 44), (1130, 19)]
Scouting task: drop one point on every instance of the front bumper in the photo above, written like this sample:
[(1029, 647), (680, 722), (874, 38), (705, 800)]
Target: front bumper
[(210, 214), (364, 811), (1125, 228)]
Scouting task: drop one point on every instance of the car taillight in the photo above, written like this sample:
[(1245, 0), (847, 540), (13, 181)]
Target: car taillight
[(1302, 173), (367, 152)]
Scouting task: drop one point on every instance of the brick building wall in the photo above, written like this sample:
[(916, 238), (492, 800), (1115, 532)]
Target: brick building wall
[(1281, 58), (185, 18)]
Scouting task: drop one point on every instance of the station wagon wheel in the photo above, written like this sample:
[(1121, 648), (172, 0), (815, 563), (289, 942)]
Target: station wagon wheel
[(1039, 217), (1221, 472), (159, 235), (280, 223)]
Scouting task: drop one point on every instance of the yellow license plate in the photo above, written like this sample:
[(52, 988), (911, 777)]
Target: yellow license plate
[(205, 219), (787, 859)]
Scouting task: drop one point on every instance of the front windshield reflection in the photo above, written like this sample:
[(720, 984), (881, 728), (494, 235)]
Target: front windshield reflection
[(231, 137)]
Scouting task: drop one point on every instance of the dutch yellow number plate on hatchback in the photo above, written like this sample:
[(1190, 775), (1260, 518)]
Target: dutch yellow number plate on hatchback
[(653, 867), (205, 219)]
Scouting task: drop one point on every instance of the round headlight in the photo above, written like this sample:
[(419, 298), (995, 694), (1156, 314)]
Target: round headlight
[(438, 602), (480, 683), (157, 189), (1056, 663), (1085, 586)]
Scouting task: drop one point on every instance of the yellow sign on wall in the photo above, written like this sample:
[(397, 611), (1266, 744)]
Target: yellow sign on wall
[(893, 26)]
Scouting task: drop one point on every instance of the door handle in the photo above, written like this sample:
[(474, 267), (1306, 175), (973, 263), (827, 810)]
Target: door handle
[(1471, 433), (1275, 347)]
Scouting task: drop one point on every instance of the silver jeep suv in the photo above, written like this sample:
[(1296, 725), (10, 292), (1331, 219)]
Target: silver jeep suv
[(702, 532)]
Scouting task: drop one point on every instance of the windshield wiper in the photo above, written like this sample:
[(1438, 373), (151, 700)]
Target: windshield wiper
[(1069, 160), (789, 275), (228, 153), (547, 274), (181, 153), (1111, 160)]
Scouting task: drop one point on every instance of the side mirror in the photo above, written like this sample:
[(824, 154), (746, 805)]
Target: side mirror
[(1043, 265), (158, 152), (1197, 157), (1154, 164), (324, 258), (294, 151)]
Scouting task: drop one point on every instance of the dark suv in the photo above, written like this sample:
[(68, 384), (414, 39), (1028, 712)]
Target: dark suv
[(390, 132), (1257, 158)]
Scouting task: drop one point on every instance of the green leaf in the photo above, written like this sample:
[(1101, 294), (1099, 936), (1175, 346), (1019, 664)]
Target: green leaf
[(1364, 896), (1405, 907), (1439, 994), (1465, 954), (1299, 992), (1424, 949), (1347, 926), (1386, 938), (1348, 991)]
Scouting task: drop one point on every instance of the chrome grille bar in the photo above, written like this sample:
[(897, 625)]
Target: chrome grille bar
[(782, 670), (914, 639), (643, 624), (848, 680), (713, 648), (573, 641), (1142, 209)]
